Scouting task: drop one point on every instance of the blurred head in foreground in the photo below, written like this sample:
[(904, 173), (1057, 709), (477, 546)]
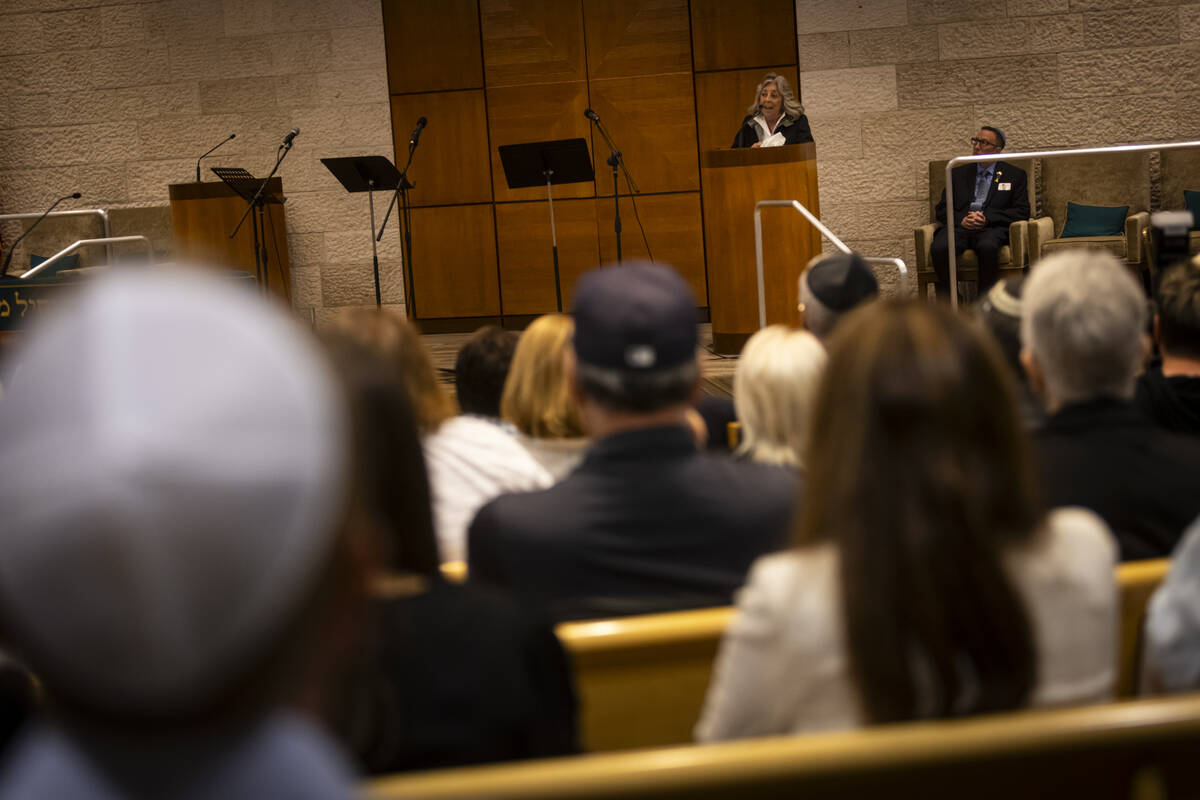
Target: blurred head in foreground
[(174, 472), (832, 286)]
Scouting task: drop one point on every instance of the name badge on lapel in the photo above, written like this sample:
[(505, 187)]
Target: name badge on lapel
[(1004, 187)]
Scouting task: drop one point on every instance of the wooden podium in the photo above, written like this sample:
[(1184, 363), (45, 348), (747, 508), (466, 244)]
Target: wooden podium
[(733, 181), (204, 214)]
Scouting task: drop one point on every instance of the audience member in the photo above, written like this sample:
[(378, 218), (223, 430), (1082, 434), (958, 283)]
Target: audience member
[(923, 583), (1000, 313), (1169, 390), (537, 397), (181, 551), (1083, 333), (449, 674), (988, 197), (646, 522), (1172, 655), (474, 456), (774, 388), (833, 285)]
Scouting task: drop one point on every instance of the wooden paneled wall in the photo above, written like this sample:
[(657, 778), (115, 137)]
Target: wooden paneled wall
[(669, 78)]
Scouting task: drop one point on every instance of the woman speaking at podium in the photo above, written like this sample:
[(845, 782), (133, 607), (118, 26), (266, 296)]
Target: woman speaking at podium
[(775, 117)]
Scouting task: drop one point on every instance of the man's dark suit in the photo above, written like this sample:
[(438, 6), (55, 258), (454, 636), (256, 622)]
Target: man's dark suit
[(1001, 207), (1144, 481), (646, 523)]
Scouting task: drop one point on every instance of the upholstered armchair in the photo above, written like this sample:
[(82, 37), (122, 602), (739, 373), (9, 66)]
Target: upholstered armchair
[(1012, 256), (1104, 179), (1180, 173)]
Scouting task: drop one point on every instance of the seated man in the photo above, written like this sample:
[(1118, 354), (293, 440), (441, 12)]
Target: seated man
[(181, 559), (987, 198), (832, 286), (475, 456), (1083, 343), (647, 522), (1169, 391)]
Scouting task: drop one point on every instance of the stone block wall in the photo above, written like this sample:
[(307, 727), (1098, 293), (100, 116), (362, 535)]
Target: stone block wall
[(116, 99), (910, 81)]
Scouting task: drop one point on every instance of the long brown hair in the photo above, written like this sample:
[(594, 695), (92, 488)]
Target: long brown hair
[(919, 474)]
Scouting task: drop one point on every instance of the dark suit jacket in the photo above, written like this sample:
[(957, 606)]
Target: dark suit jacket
[(646, 523), (1144, 481), (999, 207), (795, 132)]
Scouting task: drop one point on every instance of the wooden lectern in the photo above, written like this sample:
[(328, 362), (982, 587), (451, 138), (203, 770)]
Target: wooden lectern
[(733, 181), (204, 214)]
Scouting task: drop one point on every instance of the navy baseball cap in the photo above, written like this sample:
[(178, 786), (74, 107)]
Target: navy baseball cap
[(636, 317)]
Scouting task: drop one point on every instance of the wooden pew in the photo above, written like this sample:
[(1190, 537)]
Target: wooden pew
[(1140, 749), (641, 680), (1136, 582)]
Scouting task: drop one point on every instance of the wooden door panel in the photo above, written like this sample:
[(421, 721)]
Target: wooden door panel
[(749, 33), (532, 41), (451, 162), (673, 227), (454, 263), (526, 256), (636, 37), (518, 114), (432, 46)]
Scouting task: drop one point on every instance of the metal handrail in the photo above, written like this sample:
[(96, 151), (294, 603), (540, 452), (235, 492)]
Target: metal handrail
[(990, 157), (816, 223), (75, 212), (108, 241)]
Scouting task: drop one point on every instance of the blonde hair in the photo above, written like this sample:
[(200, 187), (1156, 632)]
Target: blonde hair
[(791, 106), (537, 397), (396, 342), (774, 390)]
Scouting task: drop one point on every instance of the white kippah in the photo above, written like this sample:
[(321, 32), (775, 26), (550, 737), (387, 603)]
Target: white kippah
[(172, 472)]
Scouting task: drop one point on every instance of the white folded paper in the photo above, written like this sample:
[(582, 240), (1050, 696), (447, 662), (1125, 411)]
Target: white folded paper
[(774, 140)]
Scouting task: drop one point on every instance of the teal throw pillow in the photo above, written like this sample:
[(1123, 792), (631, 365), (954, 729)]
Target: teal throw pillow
[(66, 262), (1094, 220), (1191, 201)]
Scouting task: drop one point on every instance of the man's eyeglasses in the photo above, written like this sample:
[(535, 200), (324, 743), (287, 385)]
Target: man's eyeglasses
[(976, 140)]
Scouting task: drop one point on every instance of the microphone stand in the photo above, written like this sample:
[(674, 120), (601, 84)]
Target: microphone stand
[(256, 205), (36, 222), (405, 210), (210, 152), (614, 160)]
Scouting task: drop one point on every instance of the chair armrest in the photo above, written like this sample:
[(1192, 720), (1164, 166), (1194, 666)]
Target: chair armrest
[(1041, 230), (923, 236), (1134, 225), (1018, 242)]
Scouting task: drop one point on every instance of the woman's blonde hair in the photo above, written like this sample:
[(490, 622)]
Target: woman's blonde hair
[(394, 340), (774, 390), (537, 396), (791, 106)]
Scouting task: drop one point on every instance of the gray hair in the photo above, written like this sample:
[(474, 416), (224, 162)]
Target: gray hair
[(791, 106), (1083, 318), (775, 390), (640, 392)]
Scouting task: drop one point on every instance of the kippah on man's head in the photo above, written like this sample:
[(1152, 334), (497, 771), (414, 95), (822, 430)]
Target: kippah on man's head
[(173, 475), (834, 285), (636, 317)]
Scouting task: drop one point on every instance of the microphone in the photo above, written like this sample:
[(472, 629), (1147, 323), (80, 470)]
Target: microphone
[(13, 249), (416, 134), (201, 158), (592, 115), (287, 140)]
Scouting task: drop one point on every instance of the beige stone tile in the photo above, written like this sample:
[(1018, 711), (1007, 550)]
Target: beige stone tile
[(360, 48), (837, 136), (352, 87), (236, 95), (1147, 70), (306, 282), (1032, 8), (71, 145), (123, 26), (175, 136), (922, 135), (853, 181), (149, 180), (823, 16), (22, 33), (1038, 35), (893, 45), (307, 249), (219, 59), (355, 245), (27, 190), (391, 284), (1075, 122), (347, 284), (842, 91), (1189, 22), (1105, 5), (1141, 27), (120, 67), (346, 125), (874, 220), (927, 85), (301, 52), (313, 212), (824, 50), (178, 20), (146, 102), (932, 12)]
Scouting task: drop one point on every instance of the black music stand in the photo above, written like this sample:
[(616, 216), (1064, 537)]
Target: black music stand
[(253, 191), (366, 174), (554, 162)]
